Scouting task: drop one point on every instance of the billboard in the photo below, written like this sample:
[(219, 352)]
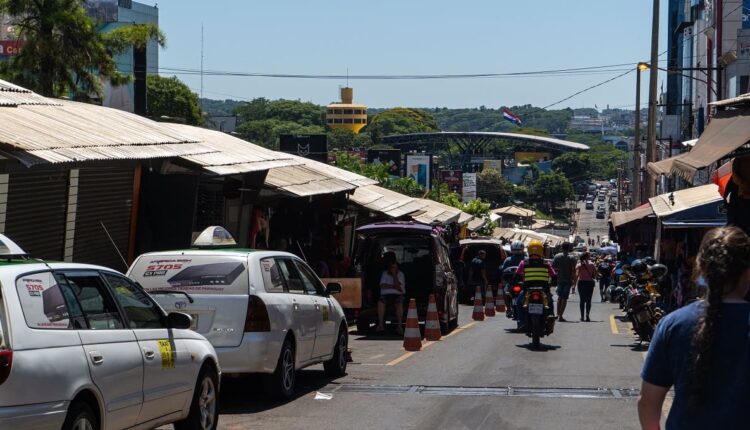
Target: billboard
[(493, 164), (10, 48), (312, 146), (389, 157), (418, 168), (745, 13), (453, 179), (470, 187)]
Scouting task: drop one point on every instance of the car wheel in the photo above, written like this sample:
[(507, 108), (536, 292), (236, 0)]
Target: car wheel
[(281, 383), (336, 366), (204, 409), (81, 417)]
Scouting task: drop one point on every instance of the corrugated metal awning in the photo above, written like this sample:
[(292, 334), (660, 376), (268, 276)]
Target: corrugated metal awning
[(13, 95), (301, 181), (76, 132), (684, 199), (621, 218), (232, 155), (335, 172), (437, 213), (385, 201)]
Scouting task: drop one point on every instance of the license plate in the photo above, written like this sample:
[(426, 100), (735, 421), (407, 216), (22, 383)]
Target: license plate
[(536, 308), (194, 324)]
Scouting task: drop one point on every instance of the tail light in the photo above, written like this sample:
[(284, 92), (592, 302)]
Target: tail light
[(6, 361), (535, 296), (257, 316), (516, 289)]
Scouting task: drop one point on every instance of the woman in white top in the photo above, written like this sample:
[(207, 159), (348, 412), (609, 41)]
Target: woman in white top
[(392, 287)]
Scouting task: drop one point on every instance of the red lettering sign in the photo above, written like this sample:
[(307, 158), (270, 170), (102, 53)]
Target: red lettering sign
[(10, 48)]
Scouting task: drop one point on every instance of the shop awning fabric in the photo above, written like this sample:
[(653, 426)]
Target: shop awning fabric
[(664, 167), (683, 200), (621, 218), (727, 132)]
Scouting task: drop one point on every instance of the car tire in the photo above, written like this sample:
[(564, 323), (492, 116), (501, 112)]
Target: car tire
[(336, 366), (204, 409), (81, 416), (281, 383)]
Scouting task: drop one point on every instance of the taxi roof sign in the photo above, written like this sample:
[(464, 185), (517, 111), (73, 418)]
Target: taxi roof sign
[(214, 236), (8, 248)]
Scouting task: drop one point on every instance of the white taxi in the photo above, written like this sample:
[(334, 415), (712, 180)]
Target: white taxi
[(265, 312), (83, 347)]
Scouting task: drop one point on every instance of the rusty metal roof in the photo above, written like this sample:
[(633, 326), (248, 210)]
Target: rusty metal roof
[(75, 132), (230, 154)]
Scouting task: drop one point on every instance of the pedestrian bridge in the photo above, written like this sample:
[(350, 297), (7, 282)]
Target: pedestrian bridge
[(474, 142)]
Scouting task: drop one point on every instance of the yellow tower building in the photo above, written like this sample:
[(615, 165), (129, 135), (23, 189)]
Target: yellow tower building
[(347, 114)]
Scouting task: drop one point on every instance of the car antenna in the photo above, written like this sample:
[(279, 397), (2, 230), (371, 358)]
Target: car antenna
[(124, 262), (43, 262)]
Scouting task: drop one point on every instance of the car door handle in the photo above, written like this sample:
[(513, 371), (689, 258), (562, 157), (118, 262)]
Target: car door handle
[(96, 357), (295, 305), (317, 306), (149, 353)]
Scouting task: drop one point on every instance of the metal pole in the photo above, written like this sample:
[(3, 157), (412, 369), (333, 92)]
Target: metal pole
[(652, 98), (637, 137)]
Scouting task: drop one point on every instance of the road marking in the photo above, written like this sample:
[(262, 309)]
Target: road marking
[(613, 325), (377, 356), (428, 343)]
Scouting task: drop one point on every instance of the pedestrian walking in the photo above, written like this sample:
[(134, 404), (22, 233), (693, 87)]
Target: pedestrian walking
[(605, 275), (703, 349), (586, 275), (565, 267)]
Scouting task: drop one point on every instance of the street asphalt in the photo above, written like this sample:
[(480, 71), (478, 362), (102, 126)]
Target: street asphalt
[(481, 376)]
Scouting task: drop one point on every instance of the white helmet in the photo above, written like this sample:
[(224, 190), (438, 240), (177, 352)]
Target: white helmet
[(516, 247)]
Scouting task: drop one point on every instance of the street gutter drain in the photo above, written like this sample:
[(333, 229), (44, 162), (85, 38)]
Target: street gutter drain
[(552, 392)]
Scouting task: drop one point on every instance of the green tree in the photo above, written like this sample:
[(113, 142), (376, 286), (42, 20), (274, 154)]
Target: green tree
[(575, 166), (552, 189), (170, 97), (492, 186), (401, 121), (480, 209), (63, 53), (342, 138), (262, 121)]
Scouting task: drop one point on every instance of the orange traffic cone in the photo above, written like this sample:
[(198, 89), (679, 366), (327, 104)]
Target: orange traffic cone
[(489, 303), (432, 325), (478, 314), (499, 301), (412, 337)]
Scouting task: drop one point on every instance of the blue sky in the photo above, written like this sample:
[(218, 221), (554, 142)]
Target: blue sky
[(397, 37)]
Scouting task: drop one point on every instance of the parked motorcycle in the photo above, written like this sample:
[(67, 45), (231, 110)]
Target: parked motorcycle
[(640, 301), (538, 315)]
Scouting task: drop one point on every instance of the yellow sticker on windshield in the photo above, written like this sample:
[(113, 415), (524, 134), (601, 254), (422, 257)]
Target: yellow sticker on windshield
[(167, 354)]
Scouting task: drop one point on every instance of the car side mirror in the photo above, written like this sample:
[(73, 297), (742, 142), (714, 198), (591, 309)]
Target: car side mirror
[(333, 288), (179, 320)]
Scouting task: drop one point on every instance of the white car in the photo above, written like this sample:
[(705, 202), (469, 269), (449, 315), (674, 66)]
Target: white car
[(83, 347), (264, 311)]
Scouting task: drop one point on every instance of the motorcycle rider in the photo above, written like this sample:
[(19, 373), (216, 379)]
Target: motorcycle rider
[(534, 271), (515, 258)]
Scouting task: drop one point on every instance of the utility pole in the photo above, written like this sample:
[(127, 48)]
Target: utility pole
[(637, 137), (652, 99), (201, 101)]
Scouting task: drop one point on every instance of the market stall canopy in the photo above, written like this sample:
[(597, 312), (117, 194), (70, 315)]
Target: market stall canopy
[(515, 211), (302, 181), (671, 203), (475, 224), (526, 236), (40, 130), (385, 201), (232, 155), (664, 167), (621, 218), (726, 133), (437, 213)]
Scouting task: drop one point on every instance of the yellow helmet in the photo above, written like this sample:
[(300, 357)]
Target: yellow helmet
[(535, 247)]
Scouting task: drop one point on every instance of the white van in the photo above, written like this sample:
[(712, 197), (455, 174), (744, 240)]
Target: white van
[(264, 311)]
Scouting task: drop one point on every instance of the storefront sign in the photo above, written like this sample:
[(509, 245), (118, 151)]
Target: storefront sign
[(453, 179), (470, 187), (418, 168), (493, 164), (10, 48), (312, 146), (389, 157)]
